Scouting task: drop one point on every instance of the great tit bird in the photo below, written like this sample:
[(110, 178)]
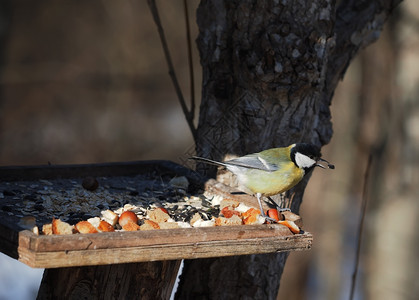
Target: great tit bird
[(275, 170)]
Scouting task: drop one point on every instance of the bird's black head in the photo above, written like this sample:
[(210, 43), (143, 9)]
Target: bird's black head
[(307, 156)]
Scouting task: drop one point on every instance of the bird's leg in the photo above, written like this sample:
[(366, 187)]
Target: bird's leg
[(282, 197), (258, 196), (278, 207), (284, 206)]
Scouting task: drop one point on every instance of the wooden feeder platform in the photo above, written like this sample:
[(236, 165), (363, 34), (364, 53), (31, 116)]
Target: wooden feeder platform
[(139, 264)]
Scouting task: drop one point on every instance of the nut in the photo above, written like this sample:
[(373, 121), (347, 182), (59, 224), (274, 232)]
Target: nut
[(90, 183), (126, 217)]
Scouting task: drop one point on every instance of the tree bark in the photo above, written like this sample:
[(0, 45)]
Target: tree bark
[(147, 280), (269, 73)]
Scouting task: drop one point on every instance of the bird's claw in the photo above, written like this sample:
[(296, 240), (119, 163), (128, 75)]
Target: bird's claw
[(269, 219)]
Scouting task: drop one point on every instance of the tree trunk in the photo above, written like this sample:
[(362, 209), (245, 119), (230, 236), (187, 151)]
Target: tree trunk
[(146, 280), (269, 72)]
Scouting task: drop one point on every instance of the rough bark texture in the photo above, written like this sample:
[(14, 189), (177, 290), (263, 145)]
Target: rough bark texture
[(150, 280), (269, 72)]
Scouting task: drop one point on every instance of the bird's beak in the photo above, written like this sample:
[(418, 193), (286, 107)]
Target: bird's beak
[(329, 165)]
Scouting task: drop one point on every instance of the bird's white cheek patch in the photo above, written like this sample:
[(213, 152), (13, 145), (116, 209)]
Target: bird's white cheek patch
[(304, 161)]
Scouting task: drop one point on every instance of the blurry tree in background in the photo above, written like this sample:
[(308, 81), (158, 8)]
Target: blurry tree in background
[(87, 82)]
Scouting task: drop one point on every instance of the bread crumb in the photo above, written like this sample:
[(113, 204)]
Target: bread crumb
[(149, 225), (110, 217), (216, 199), (183, 224), (234, 220), (291, 225), (196, 217), (131, 226), (105, 226), (168, 225), (94, 221), (85, 227), (228, 212), (47, 229), (252, 217), (202, 223), (242, 208), (35, 230), (158, 215), (60, 227), (227, 202)]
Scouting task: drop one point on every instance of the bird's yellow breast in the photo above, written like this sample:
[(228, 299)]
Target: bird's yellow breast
[(272, 183)]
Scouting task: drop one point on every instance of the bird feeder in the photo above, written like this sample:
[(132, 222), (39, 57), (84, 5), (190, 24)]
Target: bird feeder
[(127, 264)]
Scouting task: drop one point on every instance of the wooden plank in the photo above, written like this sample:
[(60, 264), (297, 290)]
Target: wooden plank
[(170, 244), (162, 237), (8, 241), (204, 249)]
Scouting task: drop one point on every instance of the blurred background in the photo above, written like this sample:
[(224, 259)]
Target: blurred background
[(86, 81)]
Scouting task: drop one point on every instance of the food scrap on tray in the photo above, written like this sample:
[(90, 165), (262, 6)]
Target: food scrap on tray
[(94, 205)]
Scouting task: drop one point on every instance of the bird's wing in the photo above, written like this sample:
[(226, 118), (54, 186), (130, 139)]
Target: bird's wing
[(208, 161), (253, 161)]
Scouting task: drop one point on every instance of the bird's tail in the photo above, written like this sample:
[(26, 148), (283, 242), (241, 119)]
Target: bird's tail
[(208, 161)]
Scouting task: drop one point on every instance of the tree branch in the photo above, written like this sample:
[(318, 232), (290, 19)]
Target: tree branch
[(190, 60), (189, 115), (360, 227), (358, 24)]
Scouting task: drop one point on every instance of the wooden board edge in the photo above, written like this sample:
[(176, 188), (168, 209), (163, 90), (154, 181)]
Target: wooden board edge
[(170, 252), (9, 240), (161, 237)]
